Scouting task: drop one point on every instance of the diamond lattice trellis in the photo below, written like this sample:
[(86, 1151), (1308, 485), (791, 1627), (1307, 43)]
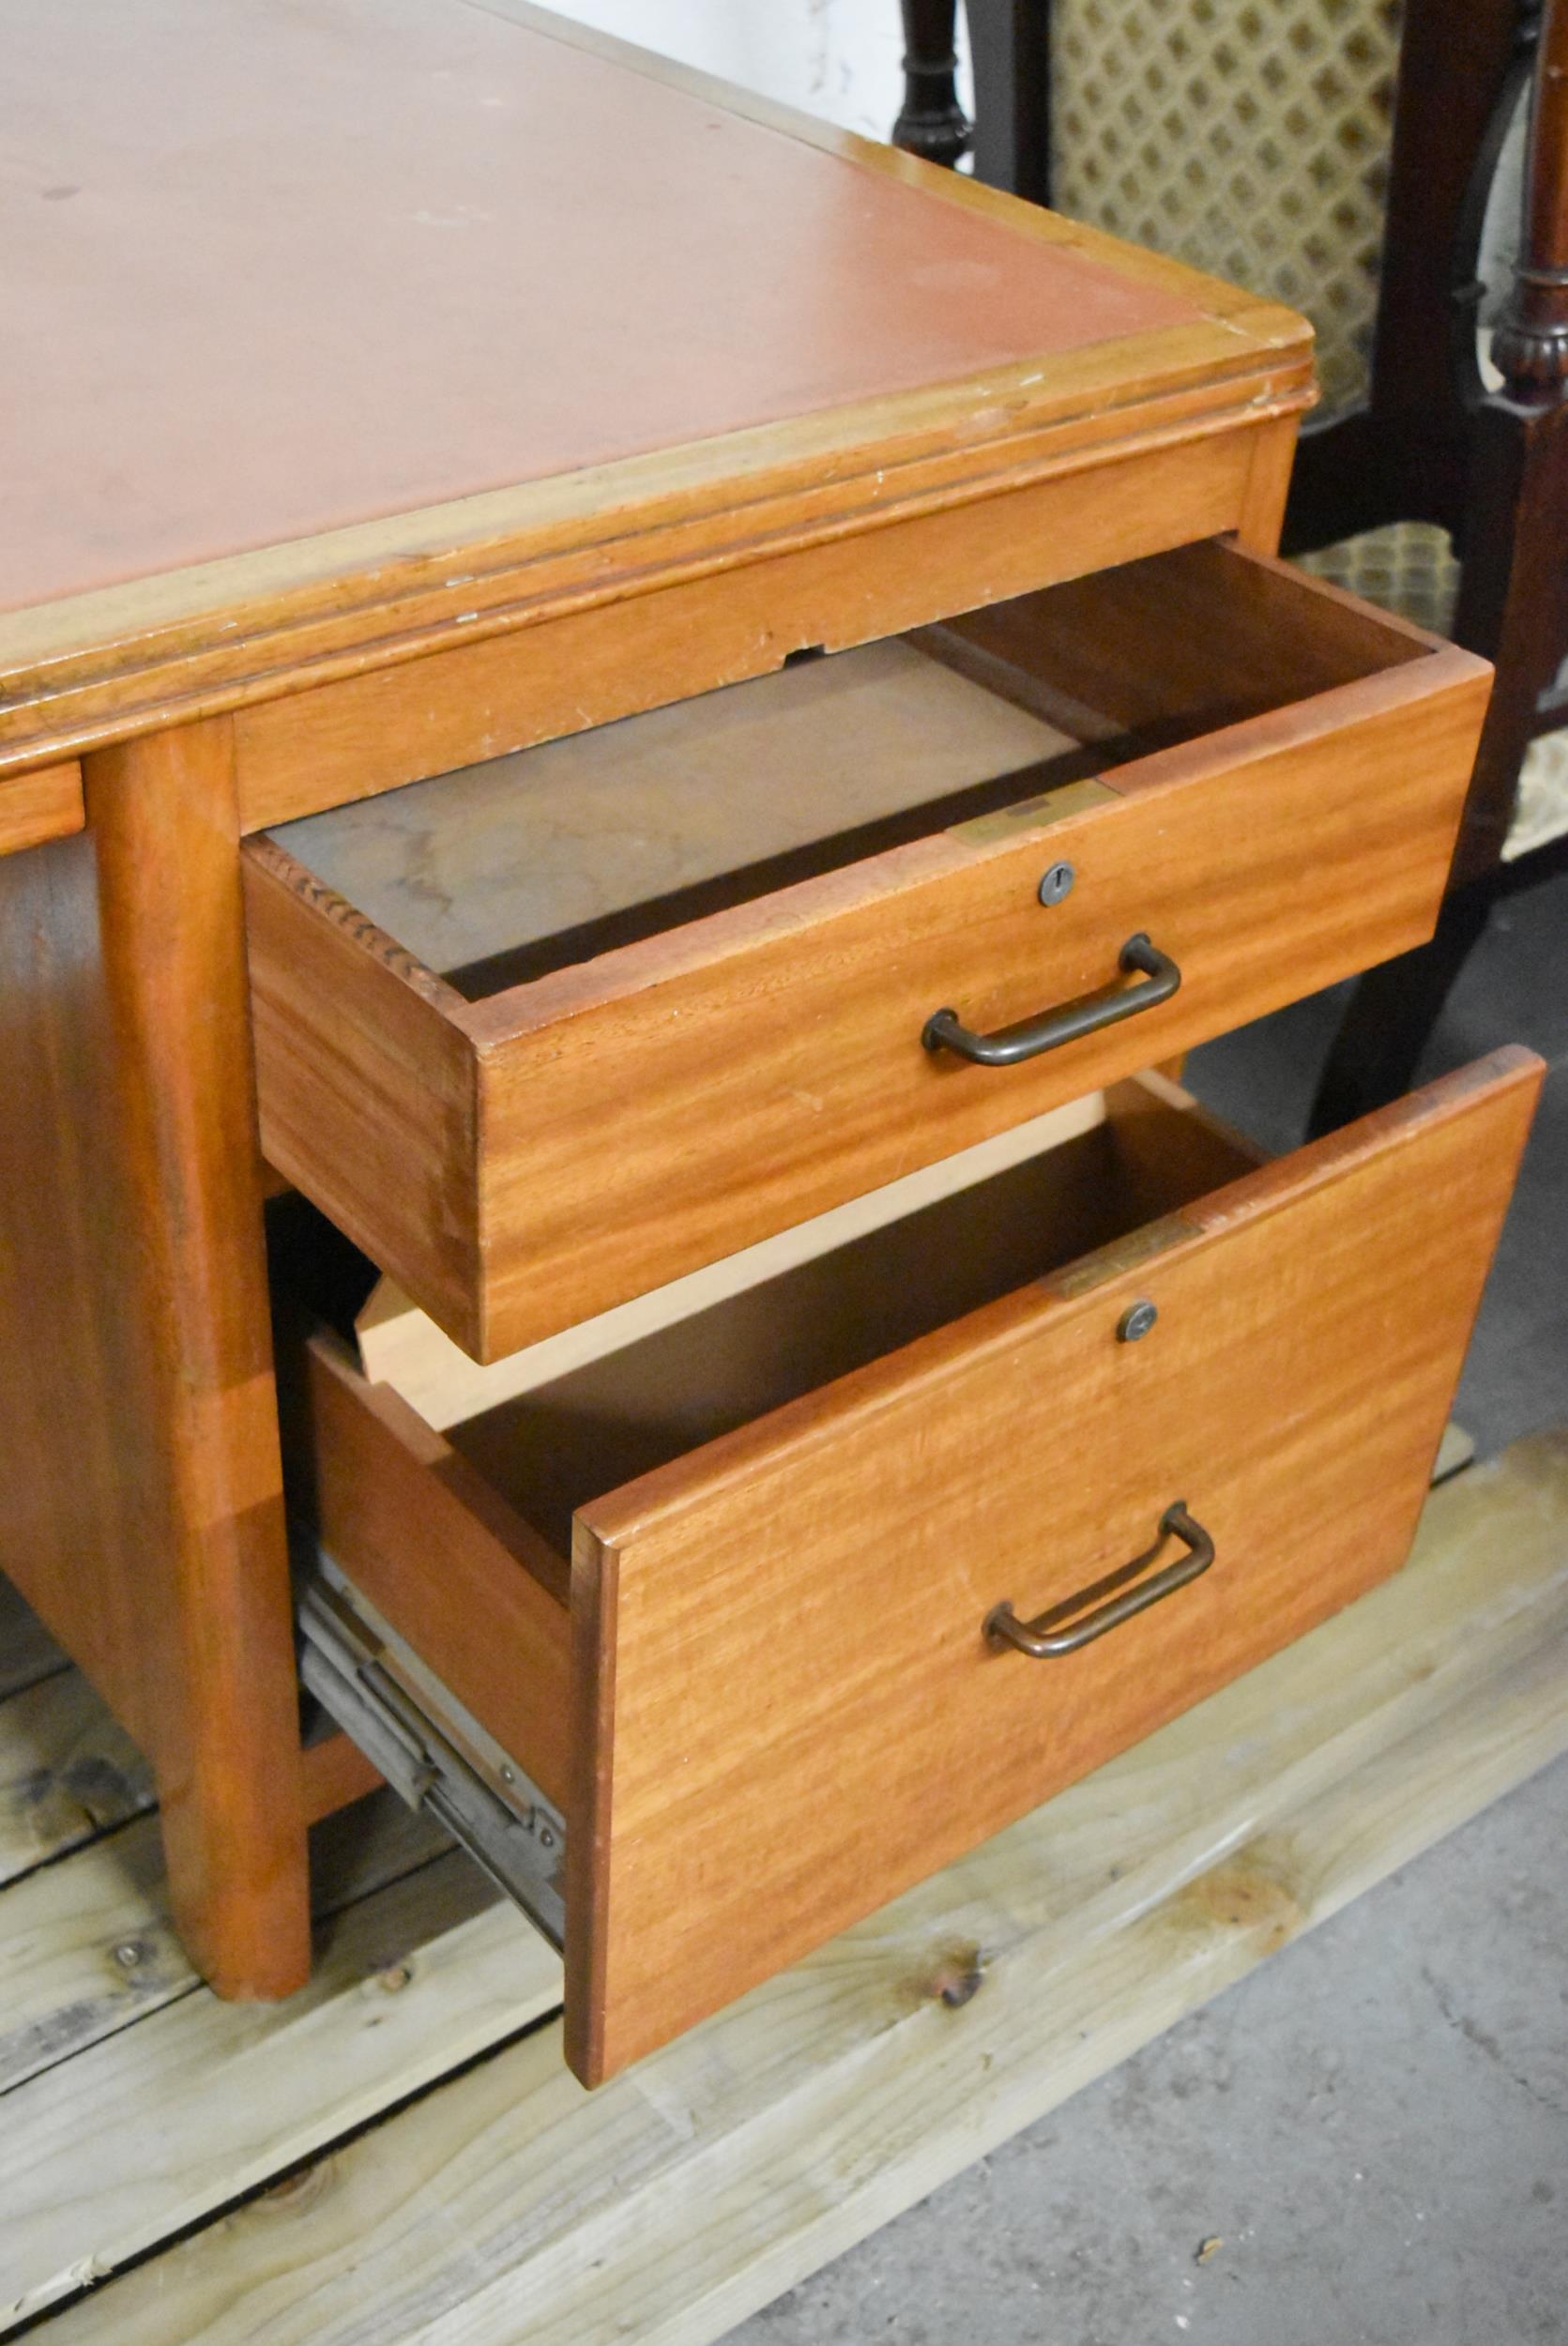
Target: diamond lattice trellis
[(1249, 137)]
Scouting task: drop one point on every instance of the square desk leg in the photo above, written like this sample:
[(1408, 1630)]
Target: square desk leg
[(142, 1508)]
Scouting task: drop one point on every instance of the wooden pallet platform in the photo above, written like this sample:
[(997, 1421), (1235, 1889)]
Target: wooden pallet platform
[(398, 2153)]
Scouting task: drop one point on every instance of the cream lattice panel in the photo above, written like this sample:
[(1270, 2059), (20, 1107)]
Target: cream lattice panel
[(1409, 568), (1249, 137)]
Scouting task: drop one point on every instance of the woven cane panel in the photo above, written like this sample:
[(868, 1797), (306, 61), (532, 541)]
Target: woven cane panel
[(1249, 137), (1409, 568)]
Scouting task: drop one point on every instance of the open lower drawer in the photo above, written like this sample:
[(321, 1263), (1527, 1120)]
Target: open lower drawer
[(550, 1032), (869, 1559)]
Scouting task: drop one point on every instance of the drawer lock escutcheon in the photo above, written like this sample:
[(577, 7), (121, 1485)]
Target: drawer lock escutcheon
[(1042, 1638), (443, 1764), (1106, 1007)]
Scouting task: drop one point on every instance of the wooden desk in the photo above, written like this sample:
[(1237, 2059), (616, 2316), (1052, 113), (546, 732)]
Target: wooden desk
[(408, 382)]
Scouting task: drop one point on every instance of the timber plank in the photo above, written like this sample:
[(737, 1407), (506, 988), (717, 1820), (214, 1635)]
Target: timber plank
[(106, 2155), (68, 1773), (84, 1948), (507, 2199), (360, 1850), (88, 1947)]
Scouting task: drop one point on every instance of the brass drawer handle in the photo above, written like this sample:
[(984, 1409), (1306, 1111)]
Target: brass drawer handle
[(1106, 1007), (1038, 1637)]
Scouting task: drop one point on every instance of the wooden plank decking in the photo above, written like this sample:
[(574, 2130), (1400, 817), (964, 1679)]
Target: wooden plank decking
[(224, 2154)]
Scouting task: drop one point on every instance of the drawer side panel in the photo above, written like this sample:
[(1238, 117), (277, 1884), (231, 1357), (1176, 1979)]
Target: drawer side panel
[(469, 1587), (44, 805)]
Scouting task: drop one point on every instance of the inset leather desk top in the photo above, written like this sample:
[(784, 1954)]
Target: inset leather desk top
[(363, 280)]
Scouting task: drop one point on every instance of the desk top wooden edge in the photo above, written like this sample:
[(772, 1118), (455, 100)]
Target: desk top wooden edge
[(222, 632)]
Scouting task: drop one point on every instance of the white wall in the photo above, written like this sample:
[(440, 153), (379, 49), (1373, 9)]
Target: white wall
[(837, 58)]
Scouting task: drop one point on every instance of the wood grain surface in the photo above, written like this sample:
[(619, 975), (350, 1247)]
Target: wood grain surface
[(739, 2161), (771, 1052), (43, 804), (401, 1346), (788, 1708), (90, 1949), (744, 594), (387, 1101), (474, 1590), (182, 1401), (408, 1985), (66, 1539), (142, 1511)]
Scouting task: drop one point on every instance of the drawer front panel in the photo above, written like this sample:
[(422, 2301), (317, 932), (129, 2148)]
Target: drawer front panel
[(630, 1139), (524, 1161), (788, 1707)]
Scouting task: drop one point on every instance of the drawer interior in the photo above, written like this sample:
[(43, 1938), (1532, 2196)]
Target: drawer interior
[(505, 872), (552, 1448), (548, 1449)]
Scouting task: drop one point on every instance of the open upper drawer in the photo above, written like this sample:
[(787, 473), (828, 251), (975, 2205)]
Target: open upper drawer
[(544, 1034), (720, 1608)]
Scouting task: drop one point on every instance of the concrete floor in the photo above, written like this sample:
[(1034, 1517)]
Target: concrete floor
[(1374, 2125)]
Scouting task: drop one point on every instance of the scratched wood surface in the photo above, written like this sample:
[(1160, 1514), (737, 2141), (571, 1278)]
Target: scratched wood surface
[(823, 2105), (385, 252)]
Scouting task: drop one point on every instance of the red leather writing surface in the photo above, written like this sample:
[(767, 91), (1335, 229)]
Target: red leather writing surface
[(276, 265)]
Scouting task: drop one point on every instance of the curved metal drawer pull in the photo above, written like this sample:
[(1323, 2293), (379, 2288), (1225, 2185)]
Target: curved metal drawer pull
[(1038, 1637), (944, 1031)]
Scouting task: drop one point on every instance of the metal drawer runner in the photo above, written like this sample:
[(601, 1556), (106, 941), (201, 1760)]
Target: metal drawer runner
[(428, 1748)]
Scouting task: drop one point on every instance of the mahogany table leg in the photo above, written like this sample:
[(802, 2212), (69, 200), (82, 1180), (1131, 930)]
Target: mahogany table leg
[(146, 1520)]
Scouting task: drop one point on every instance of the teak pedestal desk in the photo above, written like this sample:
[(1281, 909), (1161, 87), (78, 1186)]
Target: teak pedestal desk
[(769, 1391)]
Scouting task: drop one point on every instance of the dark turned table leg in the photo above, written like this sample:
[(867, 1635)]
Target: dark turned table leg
[(1513, 607), (933, 124)]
